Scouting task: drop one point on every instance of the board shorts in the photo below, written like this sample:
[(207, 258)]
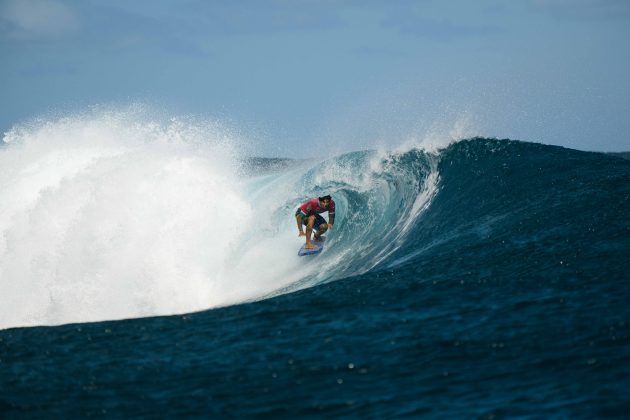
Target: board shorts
[(318, 219)]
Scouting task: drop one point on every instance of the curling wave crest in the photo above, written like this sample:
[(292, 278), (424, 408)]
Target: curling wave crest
[(114, 215)]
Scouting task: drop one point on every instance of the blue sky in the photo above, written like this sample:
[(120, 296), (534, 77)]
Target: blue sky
[(300, 75)]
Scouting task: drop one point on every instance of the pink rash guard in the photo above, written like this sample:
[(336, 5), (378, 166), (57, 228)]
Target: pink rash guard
[(313, 207)]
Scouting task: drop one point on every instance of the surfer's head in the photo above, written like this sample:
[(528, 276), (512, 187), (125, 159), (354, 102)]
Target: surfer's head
[(325, 200)]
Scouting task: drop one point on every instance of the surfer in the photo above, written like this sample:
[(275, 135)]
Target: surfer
[(308, 214)]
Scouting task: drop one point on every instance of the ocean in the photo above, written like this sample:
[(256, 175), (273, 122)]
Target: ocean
[(148, 272)]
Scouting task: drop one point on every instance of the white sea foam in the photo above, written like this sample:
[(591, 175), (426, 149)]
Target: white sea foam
[(111, 215)]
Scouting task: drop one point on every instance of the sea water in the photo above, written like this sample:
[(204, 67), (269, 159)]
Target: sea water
[(150, 268)]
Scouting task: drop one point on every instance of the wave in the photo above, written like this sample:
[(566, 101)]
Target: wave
[(114, 215)]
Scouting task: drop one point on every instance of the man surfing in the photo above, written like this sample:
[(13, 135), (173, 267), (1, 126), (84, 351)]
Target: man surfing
[(308, 214)]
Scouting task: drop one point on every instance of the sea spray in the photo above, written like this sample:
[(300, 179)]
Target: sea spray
[(112, 215)]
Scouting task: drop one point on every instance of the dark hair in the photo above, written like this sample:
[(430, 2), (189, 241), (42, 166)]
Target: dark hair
[(326, 197)]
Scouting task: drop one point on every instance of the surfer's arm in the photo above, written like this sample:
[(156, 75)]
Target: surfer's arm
[(331, 214)]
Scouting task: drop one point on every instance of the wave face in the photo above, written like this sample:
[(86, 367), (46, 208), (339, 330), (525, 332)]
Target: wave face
[(488, 279), (525, 208)]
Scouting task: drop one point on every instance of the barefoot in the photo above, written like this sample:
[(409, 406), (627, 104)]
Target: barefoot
[(310, 246)]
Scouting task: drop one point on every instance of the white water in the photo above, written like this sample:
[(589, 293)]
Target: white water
[(112, 215)]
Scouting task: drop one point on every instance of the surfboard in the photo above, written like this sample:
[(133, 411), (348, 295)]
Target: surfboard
[(303, 251)]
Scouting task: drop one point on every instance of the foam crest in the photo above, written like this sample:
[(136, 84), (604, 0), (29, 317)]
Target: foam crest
[(114, 215)]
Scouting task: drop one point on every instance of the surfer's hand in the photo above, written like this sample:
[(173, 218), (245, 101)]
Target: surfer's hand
[(301, 234), (330, 226)]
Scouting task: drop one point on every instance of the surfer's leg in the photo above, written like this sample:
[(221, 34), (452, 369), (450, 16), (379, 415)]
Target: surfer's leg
[(320, 231), (320, 226), (309, 230)]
